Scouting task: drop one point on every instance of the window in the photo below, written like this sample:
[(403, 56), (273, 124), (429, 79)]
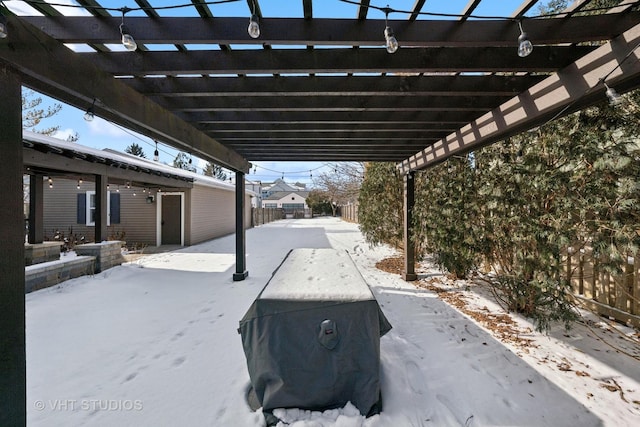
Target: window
[(87, 208), (91, 208), (293, 207)]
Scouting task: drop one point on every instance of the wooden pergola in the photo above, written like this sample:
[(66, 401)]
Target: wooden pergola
[(307, 89)]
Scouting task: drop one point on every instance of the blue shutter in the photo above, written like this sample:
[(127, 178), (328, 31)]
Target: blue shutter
[(115, 208), (82, 208)]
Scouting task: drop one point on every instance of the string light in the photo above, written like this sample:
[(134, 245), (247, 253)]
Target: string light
[(90, 114), (156, 154), (127, 39), (50, 182), (390, 40), (352, 2), (524, 44), (4, 32), (614, 97), (254, 27)]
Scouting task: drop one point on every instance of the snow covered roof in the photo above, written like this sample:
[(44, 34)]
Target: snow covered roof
[(282, 194), (116, 158)]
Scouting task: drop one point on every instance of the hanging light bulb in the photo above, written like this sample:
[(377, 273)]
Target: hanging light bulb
[(524, 44), (614, 97), (390, 40), (128, 185), (156, 154), (50, 182), (90, 114), (78, 186), (4, 32), (127, 39), (254, 27)]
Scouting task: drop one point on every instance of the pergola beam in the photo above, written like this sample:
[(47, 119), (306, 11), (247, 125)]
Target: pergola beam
[(329, 116), (333, 103), (574, 87), (334, 32), (415, 60), (458, 85), (53, 69)]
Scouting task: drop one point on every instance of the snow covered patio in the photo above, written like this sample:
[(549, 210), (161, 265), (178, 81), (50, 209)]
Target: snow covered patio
[(155, 343)]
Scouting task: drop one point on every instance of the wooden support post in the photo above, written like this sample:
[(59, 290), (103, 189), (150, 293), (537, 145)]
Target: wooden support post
[(409, 246), (13, 374), (36, 208), (241, 261), (101, 209)]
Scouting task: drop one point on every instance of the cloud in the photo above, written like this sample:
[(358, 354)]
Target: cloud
[(102, 127), (64, 134)]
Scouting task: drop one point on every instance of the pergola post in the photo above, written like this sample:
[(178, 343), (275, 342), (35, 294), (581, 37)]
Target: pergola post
[(13, 374), (36, 208), (241, 261), (409, 248), (101, 209)]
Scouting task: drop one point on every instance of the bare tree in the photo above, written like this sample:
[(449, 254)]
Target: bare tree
[(33, 113), (341, 184)]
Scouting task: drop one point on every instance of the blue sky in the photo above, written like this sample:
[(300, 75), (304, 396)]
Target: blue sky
[(103, 134)]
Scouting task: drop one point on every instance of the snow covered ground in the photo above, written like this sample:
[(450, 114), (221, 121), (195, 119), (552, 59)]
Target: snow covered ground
[(155, 343)]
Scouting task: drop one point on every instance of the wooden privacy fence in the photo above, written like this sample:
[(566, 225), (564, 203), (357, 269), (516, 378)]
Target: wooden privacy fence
[(261, 216), (615, 296), (349, 213)]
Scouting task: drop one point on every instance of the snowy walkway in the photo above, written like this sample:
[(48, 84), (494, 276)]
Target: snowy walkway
[(154, 343)]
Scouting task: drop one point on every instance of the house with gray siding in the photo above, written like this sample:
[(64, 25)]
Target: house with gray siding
[(151, 204)]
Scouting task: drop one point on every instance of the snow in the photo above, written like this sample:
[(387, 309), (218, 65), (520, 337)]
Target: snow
[(155, 343), (317, 274)]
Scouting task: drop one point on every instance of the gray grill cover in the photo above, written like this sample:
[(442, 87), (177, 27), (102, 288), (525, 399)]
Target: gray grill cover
[(312, 336)]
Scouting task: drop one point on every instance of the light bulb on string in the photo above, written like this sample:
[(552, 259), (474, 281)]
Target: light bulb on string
[(613, 95), (90, 114), (156, 154), (390, 40), (254, 27), (524, 44), (127, 39), (4, 31)]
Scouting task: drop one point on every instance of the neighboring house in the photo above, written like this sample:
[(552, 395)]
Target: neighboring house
[(186, 209), (279, 186), (292, 202), (254, 187)]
